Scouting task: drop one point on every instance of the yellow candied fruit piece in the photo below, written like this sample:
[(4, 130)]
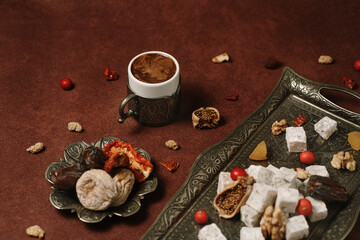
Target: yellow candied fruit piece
[(354, 140), (259, 152)]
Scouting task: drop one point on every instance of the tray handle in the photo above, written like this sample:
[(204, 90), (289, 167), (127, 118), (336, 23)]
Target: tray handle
[(312, 90), (339, 89)]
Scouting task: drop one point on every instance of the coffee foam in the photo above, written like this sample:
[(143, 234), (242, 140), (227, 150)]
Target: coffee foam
[(153, 68)]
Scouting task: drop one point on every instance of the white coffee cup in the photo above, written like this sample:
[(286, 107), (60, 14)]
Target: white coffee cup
[(154, 90)]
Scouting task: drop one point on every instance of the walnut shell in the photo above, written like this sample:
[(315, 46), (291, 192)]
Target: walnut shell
[(205, 117), (232, 198)]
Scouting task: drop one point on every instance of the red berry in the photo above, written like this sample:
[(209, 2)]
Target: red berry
[(357, 65), (304, 207), (66, 84), (201, 217), (236, 172), (307, 157)]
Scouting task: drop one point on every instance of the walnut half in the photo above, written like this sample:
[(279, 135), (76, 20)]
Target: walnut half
[(279, 127), (74, 127), (224, 57), (172, 144), (302, 173), (343, 160), (37, 147), (324, 59), (273, 223), (205, 117), (35, 231)]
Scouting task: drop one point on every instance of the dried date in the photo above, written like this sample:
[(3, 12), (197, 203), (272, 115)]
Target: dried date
[(327, 189), (66, 178), (93, 157)]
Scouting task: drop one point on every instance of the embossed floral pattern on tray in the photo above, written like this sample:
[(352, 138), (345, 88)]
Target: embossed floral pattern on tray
[(67, 200)]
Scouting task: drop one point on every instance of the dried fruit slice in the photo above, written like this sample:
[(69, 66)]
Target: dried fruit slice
[(348, 82), (232, 97), (139, 165), (259, 152), (300, 120), (171, 166), (354, 140), (110, 74)]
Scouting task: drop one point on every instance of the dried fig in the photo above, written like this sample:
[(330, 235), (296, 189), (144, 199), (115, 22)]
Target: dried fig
[(96, 189), (124, 180), (205, 117), (229, 201)]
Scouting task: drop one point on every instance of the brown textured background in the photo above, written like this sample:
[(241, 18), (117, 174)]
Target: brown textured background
[(44, 41)]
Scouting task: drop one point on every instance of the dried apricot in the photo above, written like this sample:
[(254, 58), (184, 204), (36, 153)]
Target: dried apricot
[(354, 140), (259, 152)]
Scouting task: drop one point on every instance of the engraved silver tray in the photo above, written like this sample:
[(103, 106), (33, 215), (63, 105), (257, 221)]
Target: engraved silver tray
[(67, 200), (292, 96)]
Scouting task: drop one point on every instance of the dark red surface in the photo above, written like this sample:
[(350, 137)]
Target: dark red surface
[(44, 41)]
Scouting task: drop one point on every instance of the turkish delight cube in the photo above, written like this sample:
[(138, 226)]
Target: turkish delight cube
[(250, 216), (262, 195), (289, 175), (319, 170), (296, 139), (260, 174), (285, 177), (273, 168), (211, 232), (247, 233), (297, 228), (319, 209), (287, 199), (224, 181), (325, 127)]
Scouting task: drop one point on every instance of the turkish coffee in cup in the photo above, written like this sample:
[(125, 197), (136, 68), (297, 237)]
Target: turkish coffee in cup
[(153, 88), (153, 68)]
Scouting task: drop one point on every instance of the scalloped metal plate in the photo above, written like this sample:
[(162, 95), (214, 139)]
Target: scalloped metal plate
[(292, 96), (67, 200)]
